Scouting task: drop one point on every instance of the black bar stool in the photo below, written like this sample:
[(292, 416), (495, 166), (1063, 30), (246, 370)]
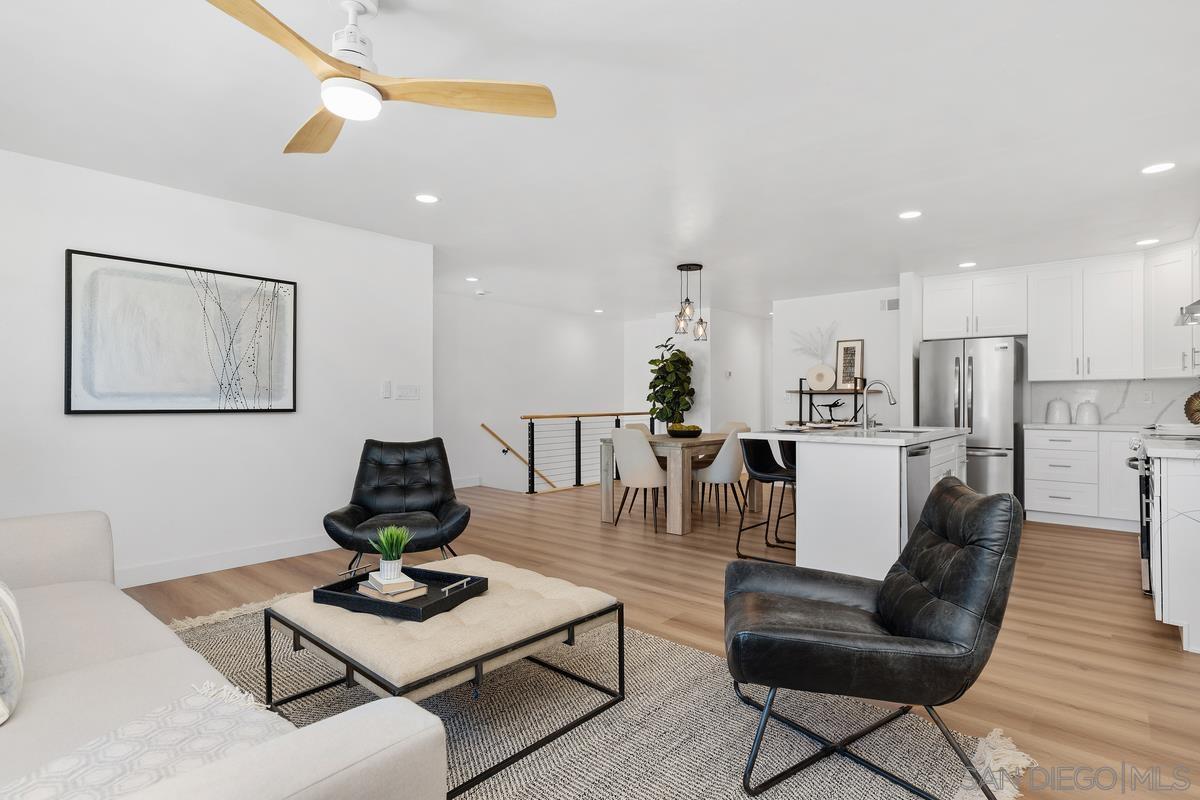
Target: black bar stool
[(762, 467), (787, 454)]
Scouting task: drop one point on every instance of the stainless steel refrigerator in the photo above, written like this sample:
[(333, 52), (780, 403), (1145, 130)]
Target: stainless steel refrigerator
[(976, 384)]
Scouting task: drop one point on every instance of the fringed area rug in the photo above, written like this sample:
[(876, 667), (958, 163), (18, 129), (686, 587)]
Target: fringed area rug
[(680, 734)]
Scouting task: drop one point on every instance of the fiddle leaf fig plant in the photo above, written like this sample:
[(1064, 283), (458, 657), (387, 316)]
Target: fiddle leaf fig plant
[(671, 391)]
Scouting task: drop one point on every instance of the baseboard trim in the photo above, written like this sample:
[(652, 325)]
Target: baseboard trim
[(1078, 521), (139, 574), (463, 481)]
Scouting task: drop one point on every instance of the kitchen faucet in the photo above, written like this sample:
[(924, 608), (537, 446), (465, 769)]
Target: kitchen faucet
[(866, 394)]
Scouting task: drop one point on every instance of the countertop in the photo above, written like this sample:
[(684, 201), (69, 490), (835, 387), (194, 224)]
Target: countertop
[(900, 436), (1172, 448), (1045, 426)]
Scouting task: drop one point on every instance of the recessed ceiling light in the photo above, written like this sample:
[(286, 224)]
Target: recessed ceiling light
[(770, 313), (597, 310), (966, 265), (909, 214), (472, 279), (1144, 242), (480, 292), (426, 198), (1154, 169)]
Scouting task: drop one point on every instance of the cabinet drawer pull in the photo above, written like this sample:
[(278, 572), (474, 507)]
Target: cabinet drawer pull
[(1058, 497), (1060, 466), (1067, 441)]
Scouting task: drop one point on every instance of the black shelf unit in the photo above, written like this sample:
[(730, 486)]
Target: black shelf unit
[(813, 414)]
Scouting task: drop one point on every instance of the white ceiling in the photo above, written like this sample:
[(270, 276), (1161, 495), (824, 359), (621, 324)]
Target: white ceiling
[(773, 140)]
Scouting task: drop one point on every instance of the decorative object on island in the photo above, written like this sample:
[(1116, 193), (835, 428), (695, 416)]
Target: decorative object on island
[(400, 483), (390, 543), (849, 363), (671, 389), (817, 344), (1087, 413), (1058, 412), (1191, 408), (146, 336), (687, 309)]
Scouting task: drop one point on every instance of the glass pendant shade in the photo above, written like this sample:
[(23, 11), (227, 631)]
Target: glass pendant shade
[(687, 310), (700, 330), (681, 323)]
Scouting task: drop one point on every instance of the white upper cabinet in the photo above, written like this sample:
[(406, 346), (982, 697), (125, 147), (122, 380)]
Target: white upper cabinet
[(1112, 319), (956, 306), (1171, 282), (946, 308), (1055, 351), (1000, 306), (1085, 320)]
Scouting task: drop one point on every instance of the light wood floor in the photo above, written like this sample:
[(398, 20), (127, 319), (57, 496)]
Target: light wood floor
[(1082, 675)]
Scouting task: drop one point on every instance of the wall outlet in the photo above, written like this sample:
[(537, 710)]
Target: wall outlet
[(408, 392), (1147, 396), (386, 390)]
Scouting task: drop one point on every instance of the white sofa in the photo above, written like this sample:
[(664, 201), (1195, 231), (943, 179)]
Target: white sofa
[(95, 660)]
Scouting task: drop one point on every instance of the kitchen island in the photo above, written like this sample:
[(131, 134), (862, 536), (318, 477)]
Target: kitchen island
[(1175, 535), (859, 492)]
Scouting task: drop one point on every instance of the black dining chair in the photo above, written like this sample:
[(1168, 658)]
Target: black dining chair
[(761, 466)]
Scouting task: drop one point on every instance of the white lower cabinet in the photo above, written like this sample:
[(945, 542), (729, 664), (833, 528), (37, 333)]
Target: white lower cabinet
[(1079, 477)]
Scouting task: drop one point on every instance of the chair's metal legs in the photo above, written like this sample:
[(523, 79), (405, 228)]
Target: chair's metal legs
[(654, 512), (839, 747), (962, 756), (354, 562), (743, 527)]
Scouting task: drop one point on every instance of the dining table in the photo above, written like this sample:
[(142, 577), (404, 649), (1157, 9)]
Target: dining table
[(681, 454)]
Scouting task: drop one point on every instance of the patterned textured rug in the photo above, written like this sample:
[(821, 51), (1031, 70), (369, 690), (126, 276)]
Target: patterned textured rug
[(680, 733)]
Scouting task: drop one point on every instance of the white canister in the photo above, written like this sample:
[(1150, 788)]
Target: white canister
[(1058, 412), (1087, 414)]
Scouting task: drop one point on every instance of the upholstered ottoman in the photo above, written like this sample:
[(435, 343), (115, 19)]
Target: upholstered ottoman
[(521, 614)]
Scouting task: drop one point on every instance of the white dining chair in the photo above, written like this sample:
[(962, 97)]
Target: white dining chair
[(724, 471), (638, 426), (639, 469), (730, 427)]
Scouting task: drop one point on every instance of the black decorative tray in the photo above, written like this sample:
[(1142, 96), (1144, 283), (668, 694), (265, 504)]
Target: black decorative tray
[(435, 601)]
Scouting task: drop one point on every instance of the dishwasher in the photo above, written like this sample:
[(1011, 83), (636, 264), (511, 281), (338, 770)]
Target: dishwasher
[(918, 477)]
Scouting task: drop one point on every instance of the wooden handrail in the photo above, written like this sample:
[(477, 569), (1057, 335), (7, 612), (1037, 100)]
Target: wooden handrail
[(588, 414), (520, 457)]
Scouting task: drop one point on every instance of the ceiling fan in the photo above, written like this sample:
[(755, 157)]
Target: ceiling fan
[(350, 88)]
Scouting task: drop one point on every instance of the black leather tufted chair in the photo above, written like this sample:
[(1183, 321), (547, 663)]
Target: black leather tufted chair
[(400, 483), (921, 636)]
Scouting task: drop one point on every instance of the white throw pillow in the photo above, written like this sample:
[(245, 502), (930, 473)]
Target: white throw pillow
[(12, 653)]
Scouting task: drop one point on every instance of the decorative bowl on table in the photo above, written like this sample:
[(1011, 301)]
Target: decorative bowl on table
[(684, 431)]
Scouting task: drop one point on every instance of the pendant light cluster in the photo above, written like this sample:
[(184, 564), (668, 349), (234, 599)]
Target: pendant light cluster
[(689, 311)]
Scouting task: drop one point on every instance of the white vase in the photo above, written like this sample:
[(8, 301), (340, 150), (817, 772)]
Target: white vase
[(391, 570)]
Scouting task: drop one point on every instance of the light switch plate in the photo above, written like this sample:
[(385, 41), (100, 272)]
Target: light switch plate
[(386, 390), (408, 392)]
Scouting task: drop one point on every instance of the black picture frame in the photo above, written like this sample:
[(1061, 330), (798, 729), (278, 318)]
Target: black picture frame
[(69, 255)]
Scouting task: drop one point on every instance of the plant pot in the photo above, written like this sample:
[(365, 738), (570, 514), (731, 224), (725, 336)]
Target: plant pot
[(674, 434), (391, 570)]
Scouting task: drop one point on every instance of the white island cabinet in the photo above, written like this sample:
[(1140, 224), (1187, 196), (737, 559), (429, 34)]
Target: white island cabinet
[(1175, 536), (855, 490)]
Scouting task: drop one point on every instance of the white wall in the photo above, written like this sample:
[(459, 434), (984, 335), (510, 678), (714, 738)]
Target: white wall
[(191, 493), (857, 315), (736, 373), (496, 361)]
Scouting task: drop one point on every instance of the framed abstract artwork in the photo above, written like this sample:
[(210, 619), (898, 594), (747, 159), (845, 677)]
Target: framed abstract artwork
[(149, 337), (849, 363)]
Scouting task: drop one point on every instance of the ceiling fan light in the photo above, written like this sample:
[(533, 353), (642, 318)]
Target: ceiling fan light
[(351, 99)]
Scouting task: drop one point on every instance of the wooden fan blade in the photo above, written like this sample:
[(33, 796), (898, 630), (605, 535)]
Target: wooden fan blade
[(257, 18), (318, 134), (496, 97)]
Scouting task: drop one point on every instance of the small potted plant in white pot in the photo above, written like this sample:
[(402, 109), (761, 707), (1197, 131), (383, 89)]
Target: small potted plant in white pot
[(390, 545)]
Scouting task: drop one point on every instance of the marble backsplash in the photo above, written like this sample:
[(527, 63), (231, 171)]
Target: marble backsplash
[(1121, 402)]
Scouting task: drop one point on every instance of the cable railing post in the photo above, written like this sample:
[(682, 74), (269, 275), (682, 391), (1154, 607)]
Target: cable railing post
[(616, 469), (651, 426), (578, 452), (532, 488)]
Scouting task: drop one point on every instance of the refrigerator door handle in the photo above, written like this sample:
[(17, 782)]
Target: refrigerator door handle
[(970, 389), (957, 393), (988, 453)]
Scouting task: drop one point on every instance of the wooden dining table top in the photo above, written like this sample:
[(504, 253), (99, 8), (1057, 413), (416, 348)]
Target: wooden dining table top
[(664, 441)]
